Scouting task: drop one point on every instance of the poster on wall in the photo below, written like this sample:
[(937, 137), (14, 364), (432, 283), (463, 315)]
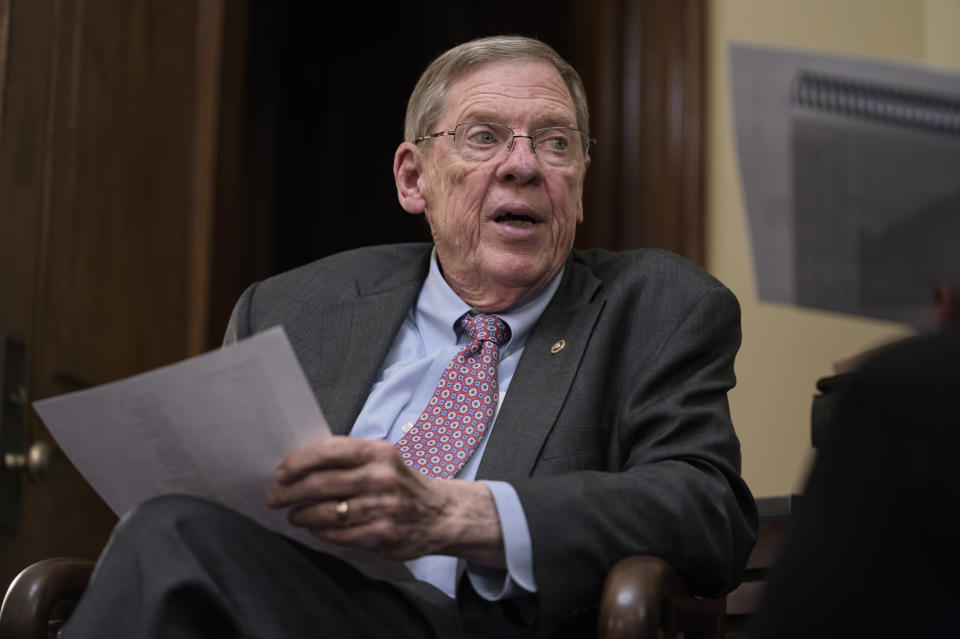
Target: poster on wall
[(850, 177)]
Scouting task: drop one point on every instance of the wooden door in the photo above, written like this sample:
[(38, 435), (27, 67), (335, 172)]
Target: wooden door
[(108, 139)]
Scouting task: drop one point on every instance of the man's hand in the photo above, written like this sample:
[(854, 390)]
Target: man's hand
[(391, 509)]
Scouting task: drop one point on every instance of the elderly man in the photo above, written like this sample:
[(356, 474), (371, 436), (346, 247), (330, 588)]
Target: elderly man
[(510, 416)]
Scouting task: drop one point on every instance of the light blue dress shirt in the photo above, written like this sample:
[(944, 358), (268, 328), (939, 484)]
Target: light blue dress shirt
[(425, 344)]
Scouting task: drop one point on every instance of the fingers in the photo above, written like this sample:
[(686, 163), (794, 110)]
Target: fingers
[(318, 486), (375, 523), (334, 483), (331, 452), (376, 536), (359, 493), (367, 522), (344, 513)]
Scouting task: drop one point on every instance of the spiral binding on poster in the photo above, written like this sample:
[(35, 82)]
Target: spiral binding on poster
[(896, 106)]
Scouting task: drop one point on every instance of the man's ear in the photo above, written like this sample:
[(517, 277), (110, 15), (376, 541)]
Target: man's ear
[(407, 168)]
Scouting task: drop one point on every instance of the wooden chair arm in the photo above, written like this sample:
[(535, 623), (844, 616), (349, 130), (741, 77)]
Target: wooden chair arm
[(32, 598), (643, 597)]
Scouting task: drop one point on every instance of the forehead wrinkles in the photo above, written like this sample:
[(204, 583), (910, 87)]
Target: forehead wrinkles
[(501, 91)]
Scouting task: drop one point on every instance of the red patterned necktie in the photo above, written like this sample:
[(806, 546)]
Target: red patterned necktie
[(460, 409)]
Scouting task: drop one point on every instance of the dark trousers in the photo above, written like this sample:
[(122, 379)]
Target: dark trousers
[(874, 548), (183, 567)]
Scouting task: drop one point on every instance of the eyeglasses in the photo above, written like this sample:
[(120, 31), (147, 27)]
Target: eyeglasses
[(557, 146)]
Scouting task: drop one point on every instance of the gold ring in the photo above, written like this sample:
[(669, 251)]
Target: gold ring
[(342, 509)]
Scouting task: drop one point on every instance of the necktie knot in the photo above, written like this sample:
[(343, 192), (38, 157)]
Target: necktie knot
[(486, 328)]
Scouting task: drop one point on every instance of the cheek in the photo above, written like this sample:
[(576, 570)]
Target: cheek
[(567, 195), (460, 192), (453, 204), (443, 188), (450, 178), (455, 175)]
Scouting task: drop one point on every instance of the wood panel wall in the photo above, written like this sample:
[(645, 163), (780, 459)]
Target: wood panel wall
[(642, 62), (108, 165)]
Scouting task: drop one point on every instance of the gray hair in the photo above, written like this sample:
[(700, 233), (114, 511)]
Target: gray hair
[(429, 97)]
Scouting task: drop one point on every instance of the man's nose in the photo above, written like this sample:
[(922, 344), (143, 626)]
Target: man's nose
[(521, 162)]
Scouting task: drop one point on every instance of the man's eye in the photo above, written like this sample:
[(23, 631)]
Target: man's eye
[(483, 137), (557, 142), (553, 141)]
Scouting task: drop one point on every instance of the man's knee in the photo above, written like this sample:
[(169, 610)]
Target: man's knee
[(179, 518), (172, 510)]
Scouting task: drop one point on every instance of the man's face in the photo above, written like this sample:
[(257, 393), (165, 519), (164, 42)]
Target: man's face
[(502, 227)]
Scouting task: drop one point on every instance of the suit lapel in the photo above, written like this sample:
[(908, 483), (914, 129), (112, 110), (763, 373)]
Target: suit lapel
[(355, 336), (543, 377)]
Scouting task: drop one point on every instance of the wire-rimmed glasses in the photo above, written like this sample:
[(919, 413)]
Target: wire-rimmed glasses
[(557, 146)]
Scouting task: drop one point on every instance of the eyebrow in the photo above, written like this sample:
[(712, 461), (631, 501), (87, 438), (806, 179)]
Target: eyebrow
[(539, 122)]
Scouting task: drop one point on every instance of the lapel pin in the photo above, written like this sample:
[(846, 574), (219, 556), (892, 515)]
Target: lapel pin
[(558, 346)]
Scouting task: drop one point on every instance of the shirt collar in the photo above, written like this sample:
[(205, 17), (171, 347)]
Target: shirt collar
[(438, 308)]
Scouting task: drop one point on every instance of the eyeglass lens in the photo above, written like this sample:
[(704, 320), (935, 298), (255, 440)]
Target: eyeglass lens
[(557, 146)]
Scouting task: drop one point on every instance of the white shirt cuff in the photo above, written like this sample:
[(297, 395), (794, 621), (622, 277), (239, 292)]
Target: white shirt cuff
[(517, 580)]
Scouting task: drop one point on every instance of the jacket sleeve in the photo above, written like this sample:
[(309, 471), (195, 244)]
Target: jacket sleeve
[(239, 325), (670, 482)]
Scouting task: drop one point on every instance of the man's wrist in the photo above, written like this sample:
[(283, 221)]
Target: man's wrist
[(470, 526), (517, 580)]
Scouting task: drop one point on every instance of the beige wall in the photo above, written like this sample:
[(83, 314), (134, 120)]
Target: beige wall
[(942, 35), (785, 350)]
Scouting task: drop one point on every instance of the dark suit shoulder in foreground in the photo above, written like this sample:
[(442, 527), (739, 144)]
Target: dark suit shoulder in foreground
[(873, 550)]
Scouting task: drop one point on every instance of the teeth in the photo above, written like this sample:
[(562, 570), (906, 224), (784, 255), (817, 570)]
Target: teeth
[(520, 224)]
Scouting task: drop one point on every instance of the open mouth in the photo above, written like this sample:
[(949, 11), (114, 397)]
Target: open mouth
[(515, 220)]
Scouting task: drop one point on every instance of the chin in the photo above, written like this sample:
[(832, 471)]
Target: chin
[(518, 273)]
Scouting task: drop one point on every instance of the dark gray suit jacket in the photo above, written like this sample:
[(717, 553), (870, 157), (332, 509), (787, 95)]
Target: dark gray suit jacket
[(619, 443)]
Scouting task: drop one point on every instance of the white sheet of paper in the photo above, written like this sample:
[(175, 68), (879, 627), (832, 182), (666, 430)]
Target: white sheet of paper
[(213, 426)]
